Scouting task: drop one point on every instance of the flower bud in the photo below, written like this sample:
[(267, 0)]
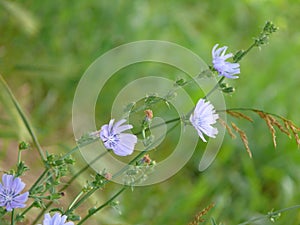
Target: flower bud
[(228, 90), (149, 114)]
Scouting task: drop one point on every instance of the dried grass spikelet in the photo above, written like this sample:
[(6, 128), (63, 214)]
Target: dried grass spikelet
[(239, 115), (243, 138), (224, 124), (198, 217), (272, 120), (280, 127), (291, 126), (288, 126), (268, 118)]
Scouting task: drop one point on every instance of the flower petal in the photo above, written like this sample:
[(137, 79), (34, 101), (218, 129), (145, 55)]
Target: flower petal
[(112, 137), (220, 64), (203, 117)]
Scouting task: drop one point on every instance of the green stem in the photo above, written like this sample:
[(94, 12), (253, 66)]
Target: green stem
[(72, 151), (68, 184), (103, 205), (39, 179), (142, 153), (246, 52), (13, 217), (77, 148), (222, 78), (88, 194), (26, 210), (270, 214), (160, 124), (23, 117), (64, 187), (214, 88), (75, 199), (19, 157)]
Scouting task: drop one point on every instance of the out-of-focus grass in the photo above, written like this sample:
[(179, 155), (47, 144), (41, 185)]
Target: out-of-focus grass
[(43, 69)]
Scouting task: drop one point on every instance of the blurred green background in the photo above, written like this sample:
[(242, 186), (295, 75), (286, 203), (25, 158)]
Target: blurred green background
[(45, 47)]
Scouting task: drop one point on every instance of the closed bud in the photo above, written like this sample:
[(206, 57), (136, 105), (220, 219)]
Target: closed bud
[(149, 114), (180, 82), (23, 146), (228, 90)]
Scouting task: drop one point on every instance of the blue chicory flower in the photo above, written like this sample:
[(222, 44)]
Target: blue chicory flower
[(111, 134), (57, 219), (224, 68), (10, 189), (203, 117)]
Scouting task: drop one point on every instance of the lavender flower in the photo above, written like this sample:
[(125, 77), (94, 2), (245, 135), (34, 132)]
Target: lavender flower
[(224, 68), (203, 117), (57, 219), (10, 189), (113, 138)]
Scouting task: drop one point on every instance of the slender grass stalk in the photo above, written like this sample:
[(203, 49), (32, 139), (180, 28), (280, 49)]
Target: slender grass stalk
[(23, 117), (250, 109)]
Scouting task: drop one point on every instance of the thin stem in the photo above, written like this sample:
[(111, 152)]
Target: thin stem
[(19, 157), (214, 88), (13, 217), (26, 210), (103, 205), (269, 215), (78, 146), (71, 152), (141, 154), (286, 209), (39, 179), (68, 184), (82, 170), (246, 52), (222, 78), (75, 199), (160, 99), (75, 205), (88, 194), (23, 117), (160, 124)]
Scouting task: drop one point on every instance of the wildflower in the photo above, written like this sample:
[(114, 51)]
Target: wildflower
[(121, 143), (10, 189), (224, 68), (203, 117), (57, 219)]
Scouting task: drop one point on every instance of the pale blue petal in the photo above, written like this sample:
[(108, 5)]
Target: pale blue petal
[(203, 117), (220, 64)]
